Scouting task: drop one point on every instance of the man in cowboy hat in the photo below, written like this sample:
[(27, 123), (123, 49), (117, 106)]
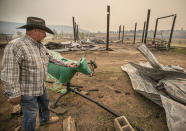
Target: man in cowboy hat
[(24, 69)]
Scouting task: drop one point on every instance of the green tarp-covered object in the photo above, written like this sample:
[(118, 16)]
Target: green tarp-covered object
[(65, 74)]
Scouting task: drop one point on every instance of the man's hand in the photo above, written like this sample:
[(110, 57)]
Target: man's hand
[(72, 65), (14, 101)]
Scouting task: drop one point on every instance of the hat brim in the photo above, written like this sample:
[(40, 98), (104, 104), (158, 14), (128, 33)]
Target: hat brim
[(37, 27)]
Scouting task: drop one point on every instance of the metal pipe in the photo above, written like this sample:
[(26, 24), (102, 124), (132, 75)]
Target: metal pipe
[(142, 39), (155, 31), (104, 107), (123, 34), (135, 33), (54, 104), (108, 24), (147, 26), (97, 103), (172, 29)]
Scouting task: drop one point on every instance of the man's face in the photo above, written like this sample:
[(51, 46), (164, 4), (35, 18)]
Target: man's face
[(40, 34)]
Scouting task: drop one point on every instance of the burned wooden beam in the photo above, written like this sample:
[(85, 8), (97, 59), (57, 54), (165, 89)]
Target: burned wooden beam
[(77, 32), (108, 24), (73, 27), (172, 29), (123, 34), (142, 39), (69, 124), (147, 26), (135, 33), (119, 32), (155, 31)]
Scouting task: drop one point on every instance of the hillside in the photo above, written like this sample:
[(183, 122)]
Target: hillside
[(10, 28)]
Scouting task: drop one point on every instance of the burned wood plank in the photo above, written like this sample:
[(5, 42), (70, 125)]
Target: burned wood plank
[(69, 124)]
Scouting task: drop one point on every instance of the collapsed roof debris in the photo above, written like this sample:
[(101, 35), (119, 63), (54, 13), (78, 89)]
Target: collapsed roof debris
[(164, 85), (98, 41), (75, 46), (53, 45), (116, 41)]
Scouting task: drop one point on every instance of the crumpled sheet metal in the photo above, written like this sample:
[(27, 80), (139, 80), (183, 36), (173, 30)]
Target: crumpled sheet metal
[(164, 85), (175, 114)]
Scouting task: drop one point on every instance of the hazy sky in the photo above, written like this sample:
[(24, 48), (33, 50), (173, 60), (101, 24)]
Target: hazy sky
[(91, 14)]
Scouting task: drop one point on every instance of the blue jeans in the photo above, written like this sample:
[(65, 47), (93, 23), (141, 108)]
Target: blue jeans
[(30, 106)]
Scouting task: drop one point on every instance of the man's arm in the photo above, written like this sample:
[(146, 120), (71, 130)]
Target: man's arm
[(57, 61), (10, 73)]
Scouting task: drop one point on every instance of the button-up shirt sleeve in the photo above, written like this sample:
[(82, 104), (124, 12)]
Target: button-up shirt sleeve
[(11, 70), (55, 60)]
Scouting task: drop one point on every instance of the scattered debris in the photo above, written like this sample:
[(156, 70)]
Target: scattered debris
[(93, 89), (75, 46), (127, 93), (84, 92), (58, 110), (100, 96), (164, 85), (98, 41), (117, 91), (16, 111), (53, 45), (117, 41), (69, 124), (121, 124)]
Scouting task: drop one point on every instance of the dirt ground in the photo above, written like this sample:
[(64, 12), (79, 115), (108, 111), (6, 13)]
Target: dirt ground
[(108, 78)]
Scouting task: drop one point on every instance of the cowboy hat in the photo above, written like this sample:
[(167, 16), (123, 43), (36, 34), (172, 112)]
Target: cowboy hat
[(35, 22)]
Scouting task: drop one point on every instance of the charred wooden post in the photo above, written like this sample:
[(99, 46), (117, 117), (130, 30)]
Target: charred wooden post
[(147, 26), (155, 31), (142, 39), (119, 32), (135, 33), (172, 29), (74, 28), (123, 33), (108, 24), (77, 30)]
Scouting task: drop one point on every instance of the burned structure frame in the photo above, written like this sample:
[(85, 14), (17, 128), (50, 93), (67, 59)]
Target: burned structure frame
[(172, 29)]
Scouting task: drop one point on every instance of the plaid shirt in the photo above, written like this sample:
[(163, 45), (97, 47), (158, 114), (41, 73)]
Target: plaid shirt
[(24, 67)]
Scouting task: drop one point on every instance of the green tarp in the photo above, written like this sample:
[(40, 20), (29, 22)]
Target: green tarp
[(65, 74)]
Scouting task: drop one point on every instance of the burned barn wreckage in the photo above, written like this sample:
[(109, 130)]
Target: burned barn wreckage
[(164, 85), (76, 46)]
